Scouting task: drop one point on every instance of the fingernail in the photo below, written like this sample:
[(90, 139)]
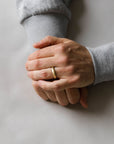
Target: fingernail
[(84, 104)]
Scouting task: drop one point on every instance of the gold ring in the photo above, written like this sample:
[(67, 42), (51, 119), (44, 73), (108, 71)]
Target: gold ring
[(54, 73)]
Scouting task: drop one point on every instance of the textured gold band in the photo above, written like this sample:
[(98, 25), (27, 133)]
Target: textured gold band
[(54, 73)]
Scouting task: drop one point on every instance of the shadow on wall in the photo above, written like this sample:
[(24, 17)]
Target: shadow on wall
[(77, 10)]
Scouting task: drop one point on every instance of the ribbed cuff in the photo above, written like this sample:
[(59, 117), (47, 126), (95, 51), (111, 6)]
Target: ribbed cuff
[(28, 8), (103, 61)]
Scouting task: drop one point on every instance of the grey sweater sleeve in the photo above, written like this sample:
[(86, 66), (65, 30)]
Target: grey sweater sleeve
[(50, 17), (44, 17), (103, 60), (28, 8)]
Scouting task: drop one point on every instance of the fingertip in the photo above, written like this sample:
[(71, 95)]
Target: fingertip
[(84, 104), (83, 99), (35, 45)]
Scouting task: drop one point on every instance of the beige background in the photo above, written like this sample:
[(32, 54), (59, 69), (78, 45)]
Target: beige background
[(24, 117)]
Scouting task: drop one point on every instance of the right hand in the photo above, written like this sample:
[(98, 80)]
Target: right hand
[(68, 96)]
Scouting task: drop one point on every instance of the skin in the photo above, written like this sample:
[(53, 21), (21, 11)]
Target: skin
[(64, 98), (73, 65)]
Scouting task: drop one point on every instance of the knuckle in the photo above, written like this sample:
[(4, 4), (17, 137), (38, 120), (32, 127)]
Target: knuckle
[(73, 80), (37, 64), (65, 39), (71, 69), (37, 54), (44, 87), (48, 38), (32, 75), (65, 60), (56, 87), (62, 47), (44, 74)]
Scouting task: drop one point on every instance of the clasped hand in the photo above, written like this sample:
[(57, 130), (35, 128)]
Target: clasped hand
[(73, 66)]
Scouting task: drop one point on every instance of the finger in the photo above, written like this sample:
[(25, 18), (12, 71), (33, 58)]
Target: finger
[(51, 96), (42, 53), (73, 95), (61, 97), (42, 63), (49, 51), (39, 90), (49, 40), (83, 97), (47, 74), (55, 85)]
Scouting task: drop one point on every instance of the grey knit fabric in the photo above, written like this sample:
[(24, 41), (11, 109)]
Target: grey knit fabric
[(103, 60), (28, 8), (40, 26), (50, 17)]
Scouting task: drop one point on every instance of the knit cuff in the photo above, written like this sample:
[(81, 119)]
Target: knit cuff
[(28, 8), (103, 61)]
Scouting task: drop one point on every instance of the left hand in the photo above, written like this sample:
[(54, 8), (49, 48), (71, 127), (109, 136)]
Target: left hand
[(72, 62), (64, 97)]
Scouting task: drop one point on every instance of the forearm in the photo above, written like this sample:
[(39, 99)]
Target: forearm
[(41, 18), (103, 60), (40, 26)]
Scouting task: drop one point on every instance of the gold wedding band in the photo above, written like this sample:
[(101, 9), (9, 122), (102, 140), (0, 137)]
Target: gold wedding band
[(54, 73)]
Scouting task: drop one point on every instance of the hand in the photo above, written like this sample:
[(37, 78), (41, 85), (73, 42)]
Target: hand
[(65, 97), (72, 62)]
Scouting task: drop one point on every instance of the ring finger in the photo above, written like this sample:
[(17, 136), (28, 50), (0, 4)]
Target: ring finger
[(47, 74)]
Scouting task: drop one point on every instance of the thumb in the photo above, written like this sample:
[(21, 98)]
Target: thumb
[(83, 97), (49, 40)]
